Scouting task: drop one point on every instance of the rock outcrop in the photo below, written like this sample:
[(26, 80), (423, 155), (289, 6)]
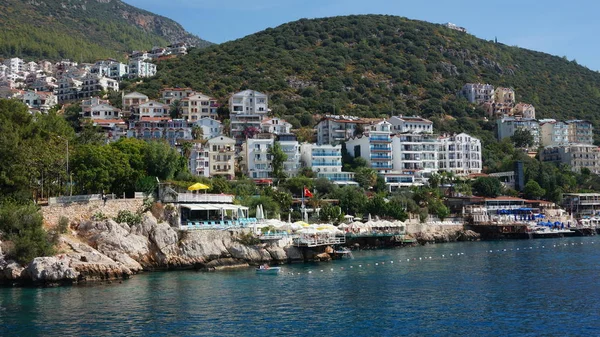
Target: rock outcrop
[(106, 250)]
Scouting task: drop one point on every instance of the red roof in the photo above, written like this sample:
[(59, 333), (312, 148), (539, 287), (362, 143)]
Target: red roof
[(504, 198), (154, 119), (109, 121)]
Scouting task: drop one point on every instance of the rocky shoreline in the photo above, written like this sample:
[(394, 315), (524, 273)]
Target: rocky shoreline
[(108, 251)]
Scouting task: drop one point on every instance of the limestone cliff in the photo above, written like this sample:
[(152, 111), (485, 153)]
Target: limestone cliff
[(106, 250)]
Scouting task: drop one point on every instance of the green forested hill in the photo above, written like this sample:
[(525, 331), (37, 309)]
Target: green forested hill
[(372, 64), (83, 30)]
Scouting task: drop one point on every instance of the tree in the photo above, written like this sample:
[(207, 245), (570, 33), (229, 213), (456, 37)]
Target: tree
[(352, 199), (487, 187), (278, 157), (101, 168), (533, 190), (366, 177), (305, 134), (162, 160), (359, 130), (197, 132), (522, 138), (330, 213)]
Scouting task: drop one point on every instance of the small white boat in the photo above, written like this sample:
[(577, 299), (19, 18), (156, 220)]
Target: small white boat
[(264, 269)]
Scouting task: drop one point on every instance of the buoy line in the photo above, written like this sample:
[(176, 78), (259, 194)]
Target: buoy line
[(445, 257)]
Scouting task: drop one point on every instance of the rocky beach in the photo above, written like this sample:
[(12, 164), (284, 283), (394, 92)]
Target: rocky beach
[(107, 251)]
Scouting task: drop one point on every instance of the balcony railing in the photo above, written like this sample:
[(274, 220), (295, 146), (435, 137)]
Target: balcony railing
[(326, 154), (315, 163), (207, 198)]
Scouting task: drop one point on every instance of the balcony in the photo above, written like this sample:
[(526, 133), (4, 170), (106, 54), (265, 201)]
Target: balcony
[(315, 163), (381, 149), (379, 139), (326, 154), (382, 167), (207, 198), (381, 157)]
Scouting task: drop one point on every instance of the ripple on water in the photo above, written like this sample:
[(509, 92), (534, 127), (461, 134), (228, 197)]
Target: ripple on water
[(548, 289)]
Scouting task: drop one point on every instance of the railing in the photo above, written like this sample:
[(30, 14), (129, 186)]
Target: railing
[(304, 241), (314, 163), (326, 154), (207, 198), (226, 224)]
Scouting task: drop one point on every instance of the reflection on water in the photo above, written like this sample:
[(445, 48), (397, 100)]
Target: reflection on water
[(544, 287)]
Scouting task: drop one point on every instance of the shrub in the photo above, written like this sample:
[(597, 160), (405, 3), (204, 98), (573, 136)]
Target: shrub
[(158, 210), (248, 239), (22, 225), (63, 225), (99, 216), (128, 217)]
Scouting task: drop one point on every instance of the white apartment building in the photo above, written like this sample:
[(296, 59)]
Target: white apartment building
[(15, 65), (257, 161), (140, 68), (68, 89), (415, 154), (111, 69), (101, 111), (460, 154), (221, 152), (508, 125), (153, 109), (553, 132), (172, 95), (334, 129), (197, 106), (249, 102), (93, 84), (132, 101), (580, 131), (403, 124), (326, 161), (44, 83), (478, 93), (375, 147), (247, 109), (577, 156), (290, 146), (199, 160), (40, 100), (455, 27), (275, 126), (256, 158), (211, 128)]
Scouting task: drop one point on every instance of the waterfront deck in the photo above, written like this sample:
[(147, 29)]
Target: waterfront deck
[(304, 241)]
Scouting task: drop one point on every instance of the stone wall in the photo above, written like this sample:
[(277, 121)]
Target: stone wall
[(76, 212)]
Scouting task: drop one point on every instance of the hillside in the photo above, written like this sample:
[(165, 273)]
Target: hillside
[(373, 64), (83, 30)]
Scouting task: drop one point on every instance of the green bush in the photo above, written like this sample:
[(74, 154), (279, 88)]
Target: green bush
[(22, 225), (128, 217), (248, 239), (99, 216), (63, 225)]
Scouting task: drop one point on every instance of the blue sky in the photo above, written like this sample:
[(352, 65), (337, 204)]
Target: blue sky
[(563, 28)]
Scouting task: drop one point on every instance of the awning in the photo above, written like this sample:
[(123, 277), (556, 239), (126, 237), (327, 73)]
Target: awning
[(213, 207)]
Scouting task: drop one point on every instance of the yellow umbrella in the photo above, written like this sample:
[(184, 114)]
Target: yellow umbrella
[(198, 186)]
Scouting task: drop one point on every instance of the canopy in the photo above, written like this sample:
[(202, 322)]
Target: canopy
[(214, 207), (198, 186)]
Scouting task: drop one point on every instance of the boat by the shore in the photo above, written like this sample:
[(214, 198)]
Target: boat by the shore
[(266, 270), (547, 232)]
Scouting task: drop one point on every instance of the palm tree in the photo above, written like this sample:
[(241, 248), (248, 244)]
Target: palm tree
[(186, 149), (197, 132)]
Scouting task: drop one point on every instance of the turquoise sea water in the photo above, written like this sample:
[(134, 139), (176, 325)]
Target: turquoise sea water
[(538, 287)]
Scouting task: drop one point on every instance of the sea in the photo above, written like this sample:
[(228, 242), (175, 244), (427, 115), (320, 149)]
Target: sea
[(543, 287)]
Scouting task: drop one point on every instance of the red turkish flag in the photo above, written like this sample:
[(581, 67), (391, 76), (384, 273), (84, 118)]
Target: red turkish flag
[(307, 193)]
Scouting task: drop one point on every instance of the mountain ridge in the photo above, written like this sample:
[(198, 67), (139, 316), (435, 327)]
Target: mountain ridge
[(372, 64), (84, 30)]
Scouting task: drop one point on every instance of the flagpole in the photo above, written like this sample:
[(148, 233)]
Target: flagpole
[(303, 207)]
